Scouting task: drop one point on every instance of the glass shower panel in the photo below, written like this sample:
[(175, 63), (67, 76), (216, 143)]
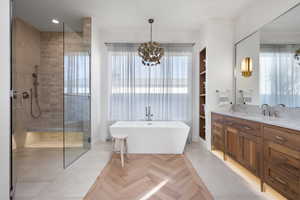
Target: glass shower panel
[(76, 95)]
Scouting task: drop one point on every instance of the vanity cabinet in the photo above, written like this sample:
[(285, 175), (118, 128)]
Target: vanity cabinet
[(242, 140), (218, 136), (244, 143), (282, 160), (232, 147), (249, 152), (271, 153)]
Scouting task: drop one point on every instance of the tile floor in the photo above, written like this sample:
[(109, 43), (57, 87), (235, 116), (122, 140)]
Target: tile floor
[(74, 182), (221, 181), (43, 177)]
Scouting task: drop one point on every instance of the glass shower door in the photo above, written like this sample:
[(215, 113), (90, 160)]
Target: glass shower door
[(77, 131)]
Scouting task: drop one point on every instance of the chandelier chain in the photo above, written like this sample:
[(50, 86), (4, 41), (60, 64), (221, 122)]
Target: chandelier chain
[(151, 32)]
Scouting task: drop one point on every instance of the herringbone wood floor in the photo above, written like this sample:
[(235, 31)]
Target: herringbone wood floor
[(153, 177)]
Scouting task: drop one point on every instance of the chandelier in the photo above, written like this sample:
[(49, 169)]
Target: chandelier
[(151, 52)]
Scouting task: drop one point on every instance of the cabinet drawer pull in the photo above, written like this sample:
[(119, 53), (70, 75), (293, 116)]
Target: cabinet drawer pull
[(284, 163), (279, 138), (247, 128), (281, 161), (281, 181), (291, 167)]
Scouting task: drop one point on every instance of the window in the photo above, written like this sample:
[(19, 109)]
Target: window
[(76, 73), (279, 75), (169, 94)]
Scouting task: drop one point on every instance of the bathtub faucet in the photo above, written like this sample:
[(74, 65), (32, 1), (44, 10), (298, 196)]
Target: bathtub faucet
[(148, 114)]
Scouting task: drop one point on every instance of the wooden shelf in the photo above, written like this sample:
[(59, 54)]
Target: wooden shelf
[(202, 76)]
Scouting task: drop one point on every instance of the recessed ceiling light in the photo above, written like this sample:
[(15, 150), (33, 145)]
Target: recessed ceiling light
[(55, 21)]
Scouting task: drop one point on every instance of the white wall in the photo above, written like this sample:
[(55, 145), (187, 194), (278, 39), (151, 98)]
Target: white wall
[(104, 90), (96, 97), (4, 99), (249, 47), (260, 13), (280, 38), (218, 38)]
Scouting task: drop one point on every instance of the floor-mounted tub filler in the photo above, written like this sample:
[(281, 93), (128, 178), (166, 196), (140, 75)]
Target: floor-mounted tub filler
[(153, 137)]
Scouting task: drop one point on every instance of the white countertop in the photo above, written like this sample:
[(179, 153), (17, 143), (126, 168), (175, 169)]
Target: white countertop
[(281, 122)]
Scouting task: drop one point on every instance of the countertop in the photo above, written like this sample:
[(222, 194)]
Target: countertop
[(281, 122)]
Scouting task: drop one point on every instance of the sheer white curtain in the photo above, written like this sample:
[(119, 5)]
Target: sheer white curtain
[(170, 94), (76, 73), (279, 75), (76, 87)]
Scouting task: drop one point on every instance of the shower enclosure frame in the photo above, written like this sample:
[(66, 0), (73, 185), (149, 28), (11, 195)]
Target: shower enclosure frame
[(12, 183)]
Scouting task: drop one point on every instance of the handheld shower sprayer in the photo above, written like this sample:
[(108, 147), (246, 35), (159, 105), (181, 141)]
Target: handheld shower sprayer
[(34, 94)]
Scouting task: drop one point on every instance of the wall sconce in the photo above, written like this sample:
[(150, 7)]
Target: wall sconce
[(247, 67)]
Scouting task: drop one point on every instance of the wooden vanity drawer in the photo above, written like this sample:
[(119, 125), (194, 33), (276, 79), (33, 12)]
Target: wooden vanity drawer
[(245, 126), (282, 183), (282, 136), (217, 118), (283, 159)]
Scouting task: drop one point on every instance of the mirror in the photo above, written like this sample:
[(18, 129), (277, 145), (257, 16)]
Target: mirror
[(268, 63)]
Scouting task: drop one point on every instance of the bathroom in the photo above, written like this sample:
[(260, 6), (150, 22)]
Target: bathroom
[(150, 100)]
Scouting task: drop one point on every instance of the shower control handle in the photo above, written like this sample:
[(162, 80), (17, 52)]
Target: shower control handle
[(25, 95), (14, 94)]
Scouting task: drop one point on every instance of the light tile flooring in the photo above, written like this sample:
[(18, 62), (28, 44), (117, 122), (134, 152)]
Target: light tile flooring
[(43, 177), (221, 181), (74, 182)]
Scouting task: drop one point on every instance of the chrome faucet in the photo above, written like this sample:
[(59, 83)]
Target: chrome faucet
[(148, 114), (265, 108)]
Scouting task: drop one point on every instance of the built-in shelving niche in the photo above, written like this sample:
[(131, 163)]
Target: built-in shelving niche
[(202, 94)]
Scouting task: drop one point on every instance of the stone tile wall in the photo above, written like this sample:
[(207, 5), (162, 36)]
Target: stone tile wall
[(45, 49), (26, 55)]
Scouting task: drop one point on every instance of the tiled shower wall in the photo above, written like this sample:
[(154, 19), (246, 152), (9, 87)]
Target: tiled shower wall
[(45, 49), (26, 55), (53, 47), (50, 87)]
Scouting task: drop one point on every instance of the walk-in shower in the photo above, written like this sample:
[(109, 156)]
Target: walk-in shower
[(50, 76)]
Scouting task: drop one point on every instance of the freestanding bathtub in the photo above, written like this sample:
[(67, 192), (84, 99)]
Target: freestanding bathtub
[(153, 137)]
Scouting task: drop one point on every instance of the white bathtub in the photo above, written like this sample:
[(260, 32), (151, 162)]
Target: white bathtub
[(153, 137)]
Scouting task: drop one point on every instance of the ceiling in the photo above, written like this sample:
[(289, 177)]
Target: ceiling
[(287, 23), (183, 15)]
